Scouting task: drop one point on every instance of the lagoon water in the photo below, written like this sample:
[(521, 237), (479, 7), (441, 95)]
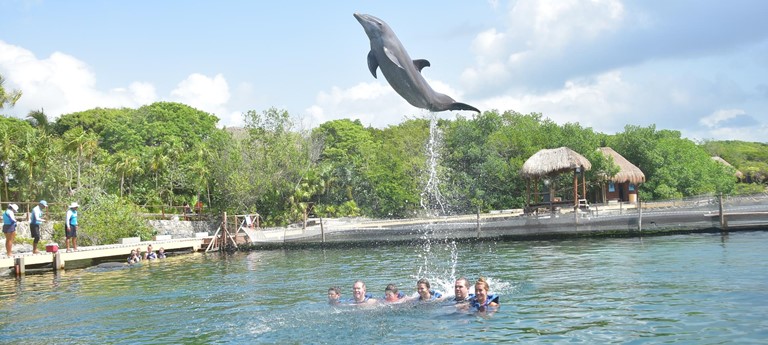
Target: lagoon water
[(683, 289)]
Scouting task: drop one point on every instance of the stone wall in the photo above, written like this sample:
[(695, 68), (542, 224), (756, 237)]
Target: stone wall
[(183, 229), (175, 228)]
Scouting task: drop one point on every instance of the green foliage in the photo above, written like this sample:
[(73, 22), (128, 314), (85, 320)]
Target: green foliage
[(751, 159), (106, 218)]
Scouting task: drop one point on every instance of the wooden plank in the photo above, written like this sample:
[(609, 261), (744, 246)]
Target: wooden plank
[(103, 251)]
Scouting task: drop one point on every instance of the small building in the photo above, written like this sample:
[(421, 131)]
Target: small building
[(550, 162), (622, 186)]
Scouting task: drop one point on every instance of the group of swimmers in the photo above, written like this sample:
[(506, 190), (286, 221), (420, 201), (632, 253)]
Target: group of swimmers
[(150, 254), (481, 300)]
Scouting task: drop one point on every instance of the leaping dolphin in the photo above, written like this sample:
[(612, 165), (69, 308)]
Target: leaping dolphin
[(402, 73)]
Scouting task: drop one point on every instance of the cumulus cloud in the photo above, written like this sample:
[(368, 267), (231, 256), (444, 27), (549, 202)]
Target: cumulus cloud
[(374, 104), (61, 84), (207, 94)]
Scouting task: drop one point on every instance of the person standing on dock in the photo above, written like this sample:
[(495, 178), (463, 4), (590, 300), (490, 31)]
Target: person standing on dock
[(9, 227), (70, 226), (35, 222)]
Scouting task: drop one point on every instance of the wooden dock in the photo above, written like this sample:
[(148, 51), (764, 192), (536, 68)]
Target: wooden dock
[(20, 261)]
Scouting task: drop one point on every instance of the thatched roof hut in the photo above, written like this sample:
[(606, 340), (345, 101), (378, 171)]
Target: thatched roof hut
[(557, 161), (553, 162), (628, 172), (720, 160)]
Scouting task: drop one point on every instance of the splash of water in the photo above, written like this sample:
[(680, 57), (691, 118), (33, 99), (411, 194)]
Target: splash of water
[(431, 199)]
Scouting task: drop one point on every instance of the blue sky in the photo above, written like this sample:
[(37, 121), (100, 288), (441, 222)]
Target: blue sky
[(700, 67)]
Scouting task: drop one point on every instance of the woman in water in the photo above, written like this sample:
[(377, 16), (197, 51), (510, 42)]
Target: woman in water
[(425, 293), (482, 300)]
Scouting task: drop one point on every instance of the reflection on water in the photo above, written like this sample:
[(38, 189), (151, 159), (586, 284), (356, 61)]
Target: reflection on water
[(680, 289)]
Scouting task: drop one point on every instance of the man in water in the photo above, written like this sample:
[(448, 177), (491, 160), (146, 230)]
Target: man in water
[(359, 295), (461, 290)]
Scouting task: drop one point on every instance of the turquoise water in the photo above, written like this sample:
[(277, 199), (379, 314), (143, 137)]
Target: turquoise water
[(686, 289)]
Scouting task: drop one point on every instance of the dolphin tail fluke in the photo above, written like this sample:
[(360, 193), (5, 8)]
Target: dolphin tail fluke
[(462, 106)]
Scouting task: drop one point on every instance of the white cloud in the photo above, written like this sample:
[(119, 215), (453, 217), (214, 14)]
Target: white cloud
[(204, 93), (62, 84), (375, 104), (718, 117)]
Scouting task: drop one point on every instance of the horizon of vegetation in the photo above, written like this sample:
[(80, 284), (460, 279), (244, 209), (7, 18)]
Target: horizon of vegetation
[(117, 162)]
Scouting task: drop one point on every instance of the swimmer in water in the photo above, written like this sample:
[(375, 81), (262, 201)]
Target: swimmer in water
[(425, 293), (359, 296), (391, 295), (334, 295), (482, 301)]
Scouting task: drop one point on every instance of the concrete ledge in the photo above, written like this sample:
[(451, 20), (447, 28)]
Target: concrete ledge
[(162, 237), (130, 240), (201, 234)]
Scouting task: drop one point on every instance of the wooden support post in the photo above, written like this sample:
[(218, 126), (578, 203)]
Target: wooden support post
[(224, 233), (322, 230), (58, 261), (723, 222), (640, 212), (575, 190), (18, 265)]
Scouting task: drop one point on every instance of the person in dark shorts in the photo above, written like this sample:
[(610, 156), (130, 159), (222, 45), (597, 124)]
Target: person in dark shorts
[(35, 222), (70, 226), (9, 227)]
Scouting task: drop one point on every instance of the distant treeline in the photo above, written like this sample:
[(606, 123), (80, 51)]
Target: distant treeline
[(170, 154)]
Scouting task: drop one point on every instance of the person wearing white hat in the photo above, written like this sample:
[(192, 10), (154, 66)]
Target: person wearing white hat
[(70, 227), (34, 223), (9, 227)]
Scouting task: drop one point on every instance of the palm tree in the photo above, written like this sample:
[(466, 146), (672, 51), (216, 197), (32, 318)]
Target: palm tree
[(9, 98), (126, 165), (85, 144), (33, 153), (39, 120), (7, 152)]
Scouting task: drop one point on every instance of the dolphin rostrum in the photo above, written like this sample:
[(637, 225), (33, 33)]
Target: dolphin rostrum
[(402, 73)]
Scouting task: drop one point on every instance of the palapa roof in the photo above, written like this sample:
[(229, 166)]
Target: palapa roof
[(719, 159), (628, 172), (554, 161)]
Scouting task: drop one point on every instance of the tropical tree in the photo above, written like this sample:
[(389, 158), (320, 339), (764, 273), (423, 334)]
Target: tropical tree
[(8, 97), (84, 145)]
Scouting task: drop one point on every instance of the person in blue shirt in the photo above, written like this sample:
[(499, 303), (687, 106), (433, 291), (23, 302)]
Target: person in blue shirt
[(70, 226), (35, 222), (9, 227)]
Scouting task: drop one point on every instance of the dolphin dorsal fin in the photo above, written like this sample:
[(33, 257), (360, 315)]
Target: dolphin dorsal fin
[(421, 63), (373, 64)]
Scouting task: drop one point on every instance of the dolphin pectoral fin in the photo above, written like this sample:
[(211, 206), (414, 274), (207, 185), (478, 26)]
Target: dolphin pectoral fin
[(421, 63), (392, 57), (373, 64), (462, 106)]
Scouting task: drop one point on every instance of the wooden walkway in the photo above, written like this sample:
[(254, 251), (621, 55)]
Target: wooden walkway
[(22, 260)]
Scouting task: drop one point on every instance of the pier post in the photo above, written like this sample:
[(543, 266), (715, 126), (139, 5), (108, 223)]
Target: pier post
[(640, 214), (58, 261), (18, 265), (723, 222), (322, 230)]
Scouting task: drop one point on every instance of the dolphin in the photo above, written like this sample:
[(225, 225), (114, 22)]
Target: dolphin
[(402, 73)]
